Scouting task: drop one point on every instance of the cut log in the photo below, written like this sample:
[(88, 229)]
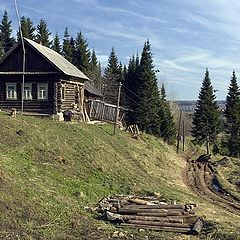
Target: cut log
[(197, 227), (170, 219), (144, 218), (135, 211), (163, 224), (172, 212), (114, 217), (149, 218), (153, 214), (140, 201), (177, 220), (156, 228), (156, 206)]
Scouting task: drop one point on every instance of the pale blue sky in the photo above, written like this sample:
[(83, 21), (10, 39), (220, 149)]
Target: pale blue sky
[(187, 36)]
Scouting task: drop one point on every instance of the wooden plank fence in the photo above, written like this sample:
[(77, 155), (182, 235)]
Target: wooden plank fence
[(99, 110)]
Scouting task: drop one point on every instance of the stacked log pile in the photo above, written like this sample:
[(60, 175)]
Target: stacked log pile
[(150, 213)]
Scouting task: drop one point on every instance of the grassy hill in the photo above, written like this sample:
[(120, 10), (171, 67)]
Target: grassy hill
[(50, 171)]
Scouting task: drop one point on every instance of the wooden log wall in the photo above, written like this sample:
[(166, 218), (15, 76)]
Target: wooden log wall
[(73, 95), (35, 105)]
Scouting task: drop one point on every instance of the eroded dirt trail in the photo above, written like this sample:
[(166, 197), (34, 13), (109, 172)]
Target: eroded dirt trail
[(201, 179)]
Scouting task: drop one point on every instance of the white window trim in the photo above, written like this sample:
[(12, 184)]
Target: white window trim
[(38, 91), (28, 85), (14, 91)]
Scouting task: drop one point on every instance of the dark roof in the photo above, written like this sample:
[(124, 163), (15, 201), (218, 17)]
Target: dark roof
[(53, 57), (91, 89)]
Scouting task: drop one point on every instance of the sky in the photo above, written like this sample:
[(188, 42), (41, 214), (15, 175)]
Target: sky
[(186, 36)]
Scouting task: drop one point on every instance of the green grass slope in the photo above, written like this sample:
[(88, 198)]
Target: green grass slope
[(50, 171)]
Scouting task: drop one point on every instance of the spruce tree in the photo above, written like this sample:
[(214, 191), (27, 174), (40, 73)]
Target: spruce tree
[(43, 34), (67, 49), (147, 109), (95, 72), (121, 73), (130, 86), (111, 79), (232, 114), (56, 45), (1, 49), (100, 76), (6, 39), (72, 50), (27, 28), (82, 54), (125, 72), (167, 127), (206, 118)]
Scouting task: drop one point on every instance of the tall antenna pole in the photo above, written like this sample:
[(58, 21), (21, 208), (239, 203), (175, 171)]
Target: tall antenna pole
[(24, 54)]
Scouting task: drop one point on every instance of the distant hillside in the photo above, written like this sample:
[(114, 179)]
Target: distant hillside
[(189, 105), (51, 171)]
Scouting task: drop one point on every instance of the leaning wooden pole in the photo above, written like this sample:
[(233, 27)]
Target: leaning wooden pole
[(117, 110), (179, 130), (24, 55)]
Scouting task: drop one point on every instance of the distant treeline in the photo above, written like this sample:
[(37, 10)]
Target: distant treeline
[(189, 105)]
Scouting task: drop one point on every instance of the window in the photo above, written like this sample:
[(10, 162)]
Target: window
[(11, 91), (42, 91), (63, 88), (27, 91)]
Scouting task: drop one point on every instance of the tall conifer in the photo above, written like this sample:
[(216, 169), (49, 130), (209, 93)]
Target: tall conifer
[(111, 78), (83, 54), (67, 51), (147, 116), (72, 50), (27, 27), (121, 73), (95, 73), (232, 114), (5, 33), (130, 86), (56, 45), (43, 33), (1, 49), (206, 118), (167, 127)]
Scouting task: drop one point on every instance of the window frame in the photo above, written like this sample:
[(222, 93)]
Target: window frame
[(14, 91), (27, 85), (39, 85)]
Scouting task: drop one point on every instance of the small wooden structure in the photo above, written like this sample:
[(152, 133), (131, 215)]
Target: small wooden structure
[(99, 110), (52, 84)]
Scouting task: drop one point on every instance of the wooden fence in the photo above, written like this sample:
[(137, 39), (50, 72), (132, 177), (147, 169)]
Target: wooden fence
[(99, 110)]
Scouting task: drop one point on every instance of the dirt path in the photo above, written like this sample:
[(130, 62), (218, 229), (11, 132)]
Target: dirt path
[(201, 179)]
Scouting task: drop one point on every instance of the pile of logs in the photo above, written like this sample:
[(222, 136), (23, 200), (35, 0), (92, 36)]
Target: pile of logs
[(150, 213)]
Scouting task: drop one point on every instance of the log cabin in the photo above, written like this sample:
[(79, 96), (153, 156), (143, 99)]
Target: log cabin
[(51, 83)]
